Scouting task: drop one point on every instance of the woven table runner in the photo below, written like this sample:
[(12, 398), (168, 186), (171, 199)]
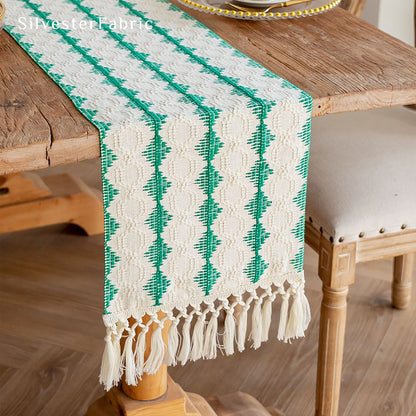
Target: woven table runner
[(204, 164)]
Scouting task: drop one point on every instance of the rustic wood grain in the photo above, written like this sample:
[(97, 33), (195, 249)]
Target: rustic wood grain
[(343, 62), (39, 125)]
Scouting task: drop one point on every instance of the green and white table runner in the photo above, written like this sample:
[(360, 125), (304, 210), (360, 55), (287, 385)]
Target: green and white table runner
[(204, 164)]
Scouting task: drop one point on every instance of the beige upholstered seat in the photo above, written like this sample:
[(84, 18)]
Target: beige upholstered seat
[(362, 177)]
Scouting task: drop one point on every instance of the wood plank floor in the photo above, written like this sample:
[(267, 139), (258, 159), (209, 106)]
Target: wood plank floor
[(51, 288)]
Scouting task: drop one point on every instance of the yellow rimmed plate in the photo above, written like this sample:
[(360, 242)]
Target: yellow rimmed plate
[(220, 8)]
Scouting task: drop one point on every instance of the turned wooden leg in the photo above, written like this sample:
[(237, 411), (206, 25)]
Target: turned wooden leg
[(151, 386), (402, 280), (331, 348), (159, 395), (154, 395), (337, 271)]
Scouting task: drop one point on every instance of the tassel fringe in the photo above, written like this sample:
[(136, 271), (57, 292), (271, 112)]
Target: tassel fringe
[(186, 341), (229, 331), (256, 324), (210, 344), (157, 351), (266, 316), (128, 352), (198, 338), (173, 342), (140, 350), (242, 325), (200, 335), (284, 310)]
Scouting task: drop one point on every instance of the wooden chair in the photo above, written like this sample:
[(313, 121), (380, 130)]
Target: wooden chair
[(361, 206)]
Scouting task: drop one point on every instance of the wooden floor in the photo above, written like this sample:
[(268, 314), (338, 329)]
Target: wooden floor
[(51, 289)]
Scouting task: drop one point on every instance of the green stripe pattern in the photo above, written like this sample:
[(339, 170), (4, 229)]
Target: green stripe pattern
[(258, 174)]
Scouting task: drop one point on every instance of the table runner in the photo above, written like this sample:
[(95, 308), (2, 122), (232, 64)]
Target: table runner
[(204, 164)]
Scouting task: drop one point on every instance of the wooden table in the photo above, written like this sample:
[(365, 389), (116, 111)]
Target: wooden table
[(343, 62)]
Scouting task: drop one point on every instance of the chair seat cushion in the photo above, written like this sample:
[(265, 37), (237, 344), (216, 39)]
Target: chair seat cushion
[(362, 176)]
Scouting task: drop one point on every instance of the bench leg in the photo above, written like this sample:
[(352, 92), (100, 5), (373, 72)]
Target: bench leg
[(402, 280), (28, 201)]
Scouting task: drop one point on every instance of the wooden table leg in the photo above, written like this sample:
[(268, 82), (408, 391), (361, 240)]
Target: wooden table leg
[(28, 201), (151, 386), (154, 395), (159, 395)]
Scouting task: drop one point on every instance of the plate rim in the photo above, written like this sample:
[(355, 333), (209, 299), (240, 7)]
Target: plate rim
[(253, 15)]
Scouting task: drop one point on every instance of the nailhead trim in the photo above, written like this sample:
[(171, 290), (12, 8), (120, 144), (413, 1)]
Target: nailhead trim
[(360, 235)]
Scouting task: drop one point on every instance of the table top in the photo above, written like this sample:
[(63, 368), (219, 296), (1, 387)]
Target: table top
[(345, 63)]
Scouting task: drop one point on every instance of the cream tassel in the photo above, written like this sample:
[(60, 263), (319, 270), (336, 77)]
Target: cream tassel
[(229, 332), (210, 344), (186, 341), (256, 330), (173, 343), (118, 368), (198, 338), (130, 365), (306, 311), (157, 351), (242, 328), (140, 350), (266, 318), (284, 310), (109, 362), (296, 321)]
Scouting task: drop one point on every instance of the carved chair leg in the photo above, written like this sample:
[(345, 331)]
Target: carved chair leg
[(402, 280), (337, 272), (331, 348)]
